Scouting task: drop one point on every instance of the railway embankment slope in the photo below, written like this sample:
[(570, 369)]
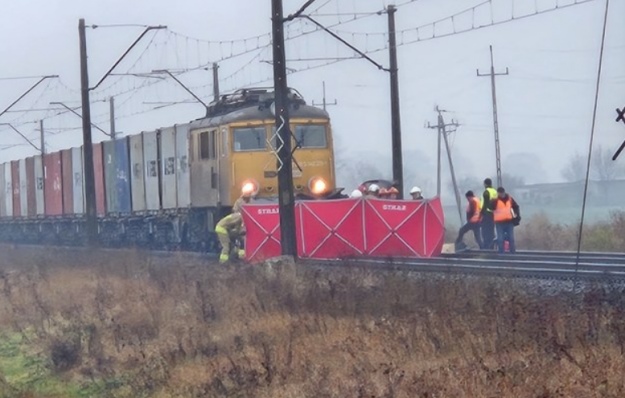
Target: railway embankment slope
[(128, 324)]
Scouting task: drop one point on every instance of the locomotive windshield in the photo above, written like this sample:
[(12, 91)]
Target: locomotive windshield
[(311, 136), (249, 139)]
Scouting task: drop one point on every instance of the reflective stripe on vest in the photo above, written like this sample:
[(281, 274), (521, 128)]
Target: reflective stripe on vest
[(476, 216), (503, 210)]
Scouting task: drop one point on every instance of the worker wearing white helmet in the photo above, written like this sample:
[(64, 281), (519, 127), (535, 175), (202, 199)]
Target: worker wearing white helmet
[(415, 192), (356, 194), (373, 191)]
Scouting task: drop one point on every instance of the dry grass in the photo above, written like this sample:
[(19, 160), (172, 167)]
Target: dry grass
[(538, 233), (181, 327)]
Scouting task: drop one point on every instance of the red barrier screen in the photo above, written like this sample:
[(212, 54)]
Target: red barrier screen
[(349, 228), (262, 240)]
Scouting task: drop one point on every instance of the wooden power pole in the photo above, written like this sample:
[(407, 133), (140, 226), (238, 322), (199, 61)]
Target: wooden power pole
[(90, 197)]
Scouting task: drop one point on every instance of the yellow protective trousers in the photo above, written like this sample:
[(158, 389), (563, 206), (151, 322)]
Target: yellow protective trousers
[(224, 240)]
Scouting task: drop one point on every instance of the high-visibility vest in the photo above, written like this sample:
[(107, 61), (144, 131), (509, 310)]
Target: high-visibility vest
[(477, 215), (492, 193), (503, 210)]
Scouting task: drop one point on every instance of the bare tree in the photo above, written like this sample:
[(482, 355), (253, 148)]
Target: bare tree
[(575, 169), (603, 167)]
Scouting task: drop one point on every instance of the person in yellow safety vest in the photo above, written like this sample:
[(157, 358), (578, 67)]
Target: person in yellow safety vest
[(228, 229), (474, 218), (507, 215), (489, 197)]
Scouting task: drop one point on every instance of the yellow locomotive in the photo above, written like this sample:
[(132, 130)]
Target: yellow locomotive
[(231, 149), (168, 187)]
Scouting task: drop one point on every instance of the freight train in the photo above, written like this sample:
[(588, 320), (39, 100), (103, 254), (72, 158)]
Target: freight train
[(167, 188)]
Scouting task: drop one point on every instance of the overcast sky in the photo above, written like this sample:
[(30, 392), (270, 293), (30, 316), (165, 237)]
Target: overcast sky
[(545, 103)]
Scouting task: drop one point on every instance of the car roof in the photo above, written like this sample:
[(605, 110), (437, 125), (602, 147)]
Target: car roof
[(381, 183)]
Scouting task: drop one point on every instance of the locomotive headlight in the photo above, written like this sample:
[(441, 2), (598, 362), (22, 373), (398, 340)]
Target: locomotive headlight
[(249, 187), (317, 185)]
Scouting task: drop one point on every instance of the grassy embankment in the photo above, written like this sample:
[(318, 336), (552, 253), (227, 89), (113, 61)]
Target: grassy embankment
[(126, 325)]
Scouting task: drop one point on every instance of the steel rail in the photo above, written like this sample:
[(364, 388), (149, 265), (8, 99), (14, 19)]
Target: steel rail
[(509, 265), (606, 258), (543, 253)]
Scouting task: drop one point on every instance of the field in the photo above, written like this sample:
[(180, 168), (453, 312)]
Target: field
[(98, 324), (539, 232), (566, 215)]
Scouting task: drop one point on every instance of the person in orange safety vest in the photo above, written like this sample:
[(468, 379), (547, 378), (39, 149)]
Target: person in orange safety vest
[(506, 215), (474, 218)]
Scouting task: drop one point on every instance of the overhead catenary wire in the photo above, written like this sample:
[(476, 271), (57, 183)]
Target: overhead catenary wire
[(128, 85)]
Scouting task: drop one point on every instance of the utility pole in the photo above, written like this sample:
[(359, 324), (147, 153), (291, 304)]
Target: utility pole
[(492, 75), (286, 197), (324, 103), (216, 81), (90, 197), (42, 145), (398, 172), (112, 116), (394, 80), (439, 133), (441, 128)]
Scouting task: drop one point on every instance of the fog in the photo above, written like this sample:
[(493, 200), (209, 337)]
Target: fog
[(545, 103)]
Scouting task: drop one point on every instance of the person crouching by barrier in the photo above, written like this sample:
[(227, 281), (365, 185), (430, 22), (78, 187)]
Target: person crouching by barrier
[(229, 229), (474, 218), (506, 215)]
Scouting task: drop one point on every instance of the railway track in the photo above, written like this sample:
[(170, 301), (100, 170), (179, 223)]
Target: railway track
[(560, 265), (541, 264)]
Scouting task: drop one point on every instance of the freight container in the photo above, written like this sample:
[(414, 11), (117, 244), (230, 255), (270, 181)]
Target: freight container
[(3, 207), (137, 180), (15, 179), (110, 179), (182, 162), (8, 190), (23, 188), (78, 181), (168, 167), (150, 160), (39, 184), (68, 182), (31, 190), (122, 164), (53, 184), (98, 170)]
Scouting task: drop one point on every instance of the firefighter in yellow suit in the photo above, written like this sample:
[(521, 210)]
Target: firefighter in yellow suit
[(228, 229)]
